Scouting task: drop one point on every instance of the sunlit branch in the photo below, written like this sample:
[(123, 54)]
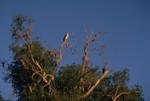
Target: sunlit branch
[(95, 85)]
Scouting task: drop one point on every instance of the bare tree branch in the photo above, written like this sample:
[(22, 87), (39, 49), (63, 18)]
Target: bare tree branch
[(123, 93), (116, 95), (90, 38), (95, 85)]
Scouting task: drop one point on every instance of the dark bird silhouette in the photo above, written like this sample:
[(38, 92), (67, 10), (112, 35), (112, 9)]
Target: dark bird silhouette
[(104, 68)]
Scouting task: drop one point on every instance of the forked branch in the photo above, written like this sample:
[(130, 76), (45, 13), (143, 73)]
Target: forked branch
[(95, 85)]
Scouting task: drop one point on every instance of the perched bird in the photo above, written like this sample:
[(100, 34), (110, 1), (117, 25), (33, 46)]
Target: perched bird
[(66, 37), (104, 69)]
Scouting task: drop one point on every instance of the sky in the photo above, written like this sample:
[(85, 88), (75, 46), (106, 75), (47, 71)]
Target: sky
[(125, 22)]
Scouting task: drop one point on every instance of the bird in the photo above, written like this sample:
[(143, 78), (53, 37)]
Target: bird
[(66, 37), (104, 68)]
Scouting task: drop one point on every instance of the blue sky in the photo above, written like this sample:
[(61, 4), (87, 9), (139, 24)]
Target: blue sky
[(126, 23)]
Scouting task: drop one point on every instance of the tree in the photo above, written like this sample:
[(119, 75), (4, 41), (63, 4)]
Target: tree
[(114, 87), (1, 98), (32, 69), (35, 73)]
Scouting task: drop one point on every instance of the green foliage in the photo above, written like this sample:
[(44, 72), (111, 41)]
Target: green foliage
[(68, 73), (21, 68), (117, 84), (69, 82), (21, 76), (21, 24)]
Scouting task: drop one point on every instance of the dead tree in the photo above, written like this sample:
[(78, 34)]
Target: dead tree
[(90, 38)]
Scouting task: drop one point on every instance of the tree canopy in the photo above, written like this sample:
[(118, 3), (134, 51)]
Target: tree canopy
[(35, 73)]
